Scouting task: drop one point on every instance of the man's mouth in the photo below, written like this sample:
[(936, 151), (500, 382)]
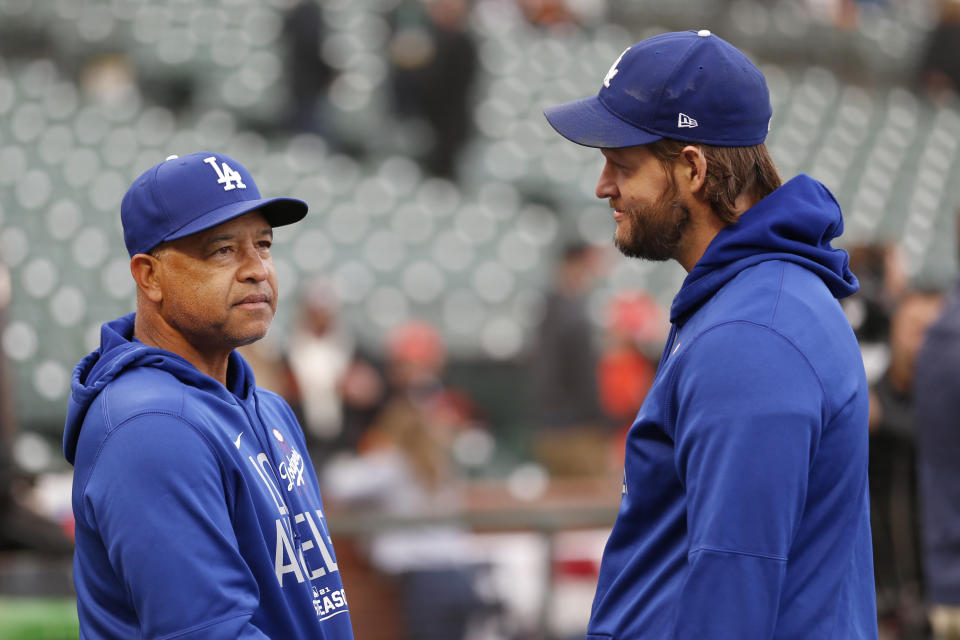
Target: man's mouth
[(254, 300), (618, 215)]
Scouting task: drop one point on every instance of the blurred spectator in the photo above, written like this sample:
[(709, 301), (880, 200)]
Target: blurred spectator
[(307, 73), (636, 328), (843, 14), (571, 438), (405, 468), (879, 268), (433, 62), (21, 528), (548, 13), (940, 68), (335, 389), (6, 410), (937, 399), (108, 79), (416, 360), (894, 514), (271, 368), (114, 78)]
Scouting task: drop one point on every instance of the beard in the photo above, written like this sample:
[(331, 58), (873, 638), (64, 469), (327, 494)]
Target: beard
[(652, 232)]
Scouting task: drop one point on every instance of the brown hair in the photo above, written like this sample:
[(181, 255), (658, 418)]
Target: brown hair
[(403, 427), (730, 172)]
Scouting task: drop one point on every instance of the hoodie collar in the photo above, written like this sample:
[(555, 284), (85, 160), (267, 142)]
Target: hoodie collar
[(120, 351), (795, 223)]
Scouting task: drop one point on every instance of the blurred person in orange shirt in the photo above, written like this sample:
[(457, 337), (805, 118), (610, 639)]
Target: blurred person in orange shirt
[(636, 326)]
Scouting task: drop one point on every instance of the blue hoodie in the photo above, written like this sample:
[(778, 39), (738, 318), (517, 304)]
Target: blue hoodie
[(745, 511), (198, 513)]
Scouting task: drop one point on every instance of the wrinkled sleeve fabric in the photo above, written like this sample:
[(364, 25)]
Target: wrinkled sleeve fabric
[(749, 410), (158, 497)]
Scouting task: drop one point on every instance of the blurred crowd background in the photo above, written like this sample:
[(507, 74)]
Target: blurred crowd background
[(464, 349)]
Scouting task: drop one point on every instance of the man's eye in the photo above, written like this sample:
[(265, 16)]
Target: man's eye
[(222, 251), (616, 165)]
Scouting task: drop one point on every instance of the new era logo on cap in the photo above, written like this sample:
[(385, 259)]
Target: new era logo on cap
[(654, 87)]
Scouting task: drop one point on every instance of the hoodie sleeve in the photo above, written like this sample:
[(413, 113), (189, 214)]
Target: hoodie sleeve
[(748, 417), (158, 497)]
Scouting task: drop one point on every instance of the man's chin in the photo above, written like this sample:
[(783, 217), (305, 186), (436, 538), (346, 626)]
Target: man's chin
[(637, 250), (249, 335)]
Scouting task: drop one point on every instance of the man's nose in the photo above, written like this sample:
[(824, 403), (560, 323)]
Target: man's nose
[(606, 185), (254, 265)]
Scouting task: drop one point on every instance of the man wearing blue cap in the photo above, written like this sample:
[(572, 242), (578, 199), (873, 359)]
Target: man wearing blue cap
[(745, 511), (198, 513)]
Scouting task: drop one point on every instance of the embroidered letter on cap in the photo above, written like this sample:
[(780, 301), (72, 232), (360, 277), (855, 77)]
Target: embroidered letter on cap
[(229, 178), (685, 122), (613, 69)]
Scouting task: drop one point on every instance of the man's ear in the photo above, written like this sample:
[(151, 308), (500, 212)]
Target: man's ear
[(693, 168), (145, 270)]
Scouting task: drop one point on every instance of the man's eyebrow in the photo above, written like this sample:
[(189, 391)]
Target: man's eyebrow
[(218, 238), (613, 154), (227, 237), (610, 155)]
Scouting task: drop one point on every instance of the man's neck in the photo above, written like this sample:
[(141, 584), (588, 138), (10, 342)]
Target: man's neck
[(160, 335), (704, 227), (698, 238)]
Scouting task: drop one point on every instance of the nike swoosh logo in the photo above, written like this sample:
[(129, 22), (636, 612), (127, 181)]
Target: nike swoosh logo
[(237, 441)]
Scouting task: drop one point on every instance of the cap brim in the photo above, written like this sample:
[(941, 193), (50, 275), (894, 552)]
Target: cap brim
[(591, 124), (277, 211)]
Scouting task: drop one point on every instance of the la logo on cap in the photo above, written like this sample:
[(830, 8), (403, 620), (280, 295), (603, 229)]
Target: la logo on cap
[(229, 178), (613, 69)]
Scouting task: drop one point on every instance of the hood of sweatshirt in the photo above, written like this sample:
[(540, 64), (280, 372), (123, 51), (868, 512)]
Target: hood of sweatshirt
[(794, 223), (120, 351)]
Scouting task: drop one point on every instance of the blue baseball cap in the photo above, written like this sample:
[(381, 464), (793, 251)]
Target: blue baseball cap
[(183, 195), (687, 85)]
